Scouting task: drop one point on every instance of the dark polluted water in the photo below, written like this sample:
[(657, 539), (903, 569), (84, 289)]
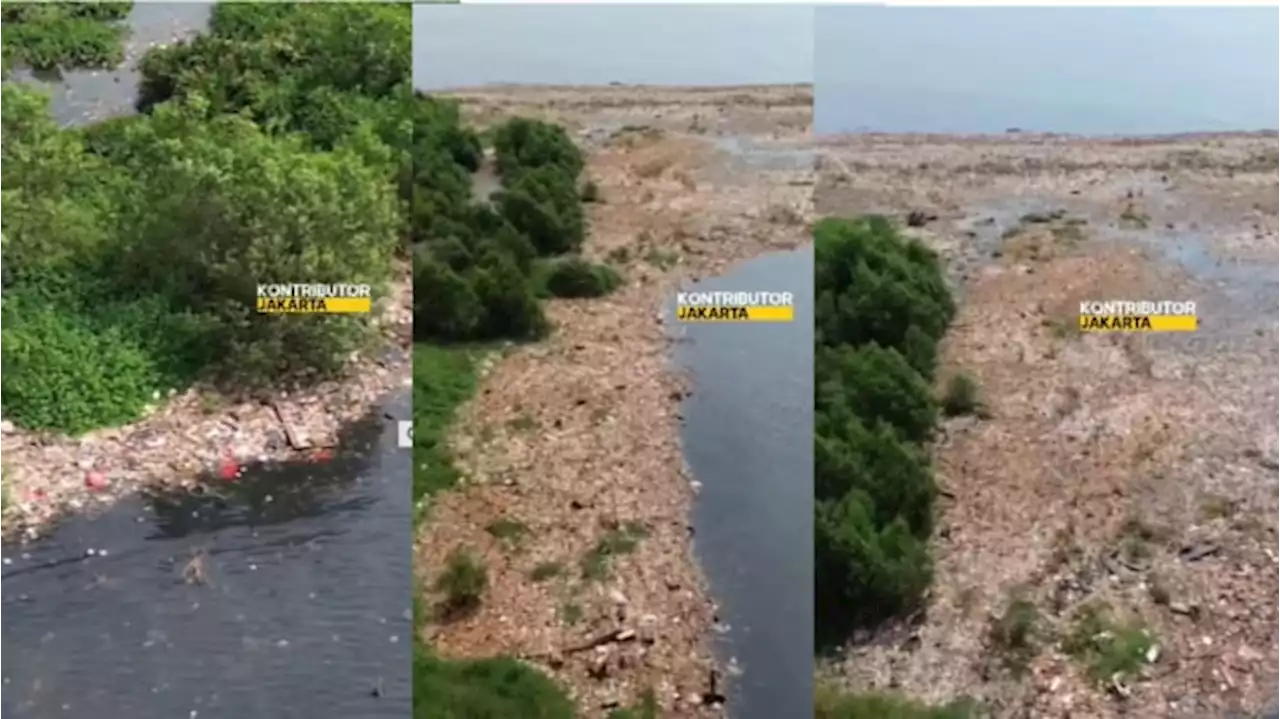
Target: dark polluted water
[(283, 594), (748, 438)]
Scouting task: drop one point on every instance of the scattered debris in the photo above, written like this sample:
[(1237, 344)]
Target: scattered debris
[(295, 437), (195, 571), (1198, 550)]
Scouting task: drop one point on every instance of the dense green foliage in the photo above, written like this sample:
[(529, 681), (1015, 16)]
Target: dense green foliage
[(478, 264), (269, 151), (882, 306), (45, 36)]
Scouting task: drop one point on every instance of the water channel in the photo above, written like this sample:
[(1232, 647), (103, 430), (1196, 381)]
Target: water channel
[(748, 438)]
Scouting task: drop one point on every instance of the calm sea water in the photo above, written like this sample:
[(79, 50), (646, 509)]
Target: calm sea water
[(466, 45)]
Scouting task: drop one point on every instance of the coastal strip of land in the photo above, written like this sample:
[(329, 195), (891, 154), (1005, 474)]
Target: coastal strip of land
[(1106, 537), (575, 494)]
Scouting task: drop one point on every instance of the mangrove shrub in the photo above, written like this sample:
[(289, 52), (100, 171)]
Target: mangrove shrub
[(882, 306)]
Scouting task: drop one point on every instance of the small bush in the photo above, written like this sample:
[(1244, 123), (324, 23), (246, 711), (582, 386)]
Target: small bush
[(590, 192), (1108, 648), (1014, 636), (463, 582), (615, 542), (575, 277), (961, 396), (46, 36), (571, 613), (508, 531), (523, 144), (546, 570)]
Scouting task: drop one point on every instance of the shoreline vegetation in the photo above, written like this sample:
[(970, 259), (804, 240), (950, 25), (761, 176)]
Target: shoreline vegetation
[(481, 267), (882, 306), (48, 36), (270, 148)]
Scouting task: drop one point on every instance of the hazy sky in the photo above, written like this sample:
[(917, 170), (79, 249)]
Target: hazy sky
[(1085, 70), (460, 45)]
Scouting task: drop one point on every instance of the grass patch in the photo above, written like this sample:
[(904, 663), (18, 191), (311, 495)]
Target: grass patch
[(1061, 329), (662, 259), (618, 255), (1133, 218), (832, 704), (1014, 636), (523, 422), (646, 708), (484, 689), (1216, 507), (615, 542), (508, 531), (463, 582), (5, 489), (443, 378), (1140, 539), (1107, 648), (546, 570), (571, 613), (1070, 235)]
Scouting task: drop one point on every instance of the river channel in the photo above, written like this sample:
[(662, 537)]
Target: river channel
[(748, 438)]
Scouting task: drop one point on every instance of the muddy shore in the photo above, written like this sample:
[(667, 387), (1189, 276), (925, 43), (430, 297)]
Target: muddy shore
[(1138, 472), (196, 431), (578, 436)]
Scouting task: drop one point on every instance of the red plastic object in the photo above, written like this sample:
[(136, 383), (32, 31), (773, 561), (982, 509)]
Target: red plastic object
[(229, 470), (93, 479)]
